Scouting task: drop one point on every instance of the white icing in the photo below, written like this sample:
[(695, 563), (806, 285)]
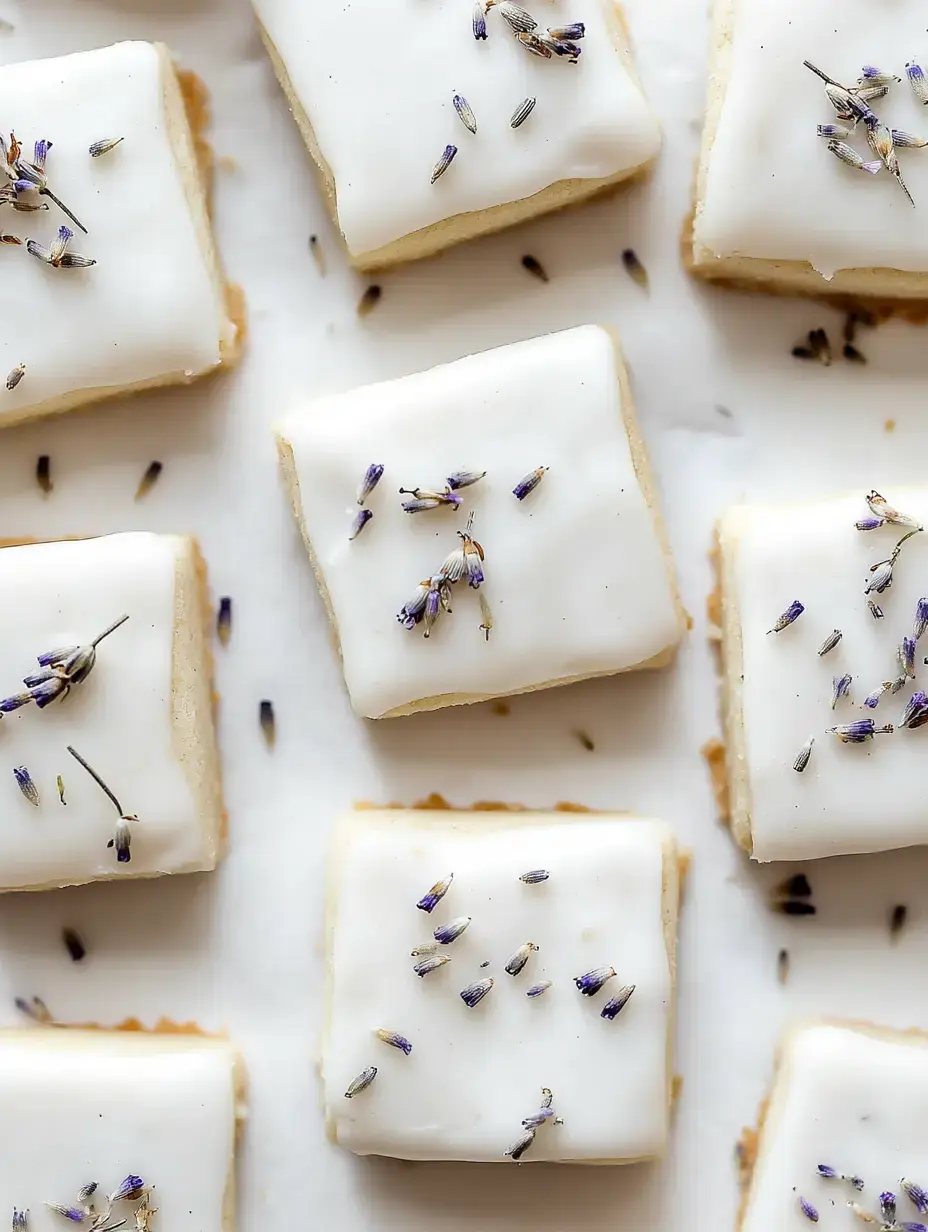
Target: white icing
[(99, 1106), (149, 307), (850, 798), (576, 575), (119, 718), (773, 188), (475, 1073), (378, 83), (853, 1102)]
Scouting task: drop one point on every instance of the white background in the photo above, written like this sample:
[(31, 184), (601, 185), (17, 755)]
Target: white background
[(242, 950)]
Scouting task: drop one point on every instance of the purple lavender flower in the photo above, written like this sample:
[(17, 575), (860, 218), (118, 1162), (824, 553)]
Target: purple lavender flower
[(916, 711), (19, 1220), (358, 523), (840, 687), (395, 1040), (464, 479), (74, 1213), (916, 1195), (567, 34), (474, 993), (829, 1173), (907, 657), (872, 700), (590, 983), (528, 483), (443, 163), (616, 1004), (537, 1119), (521, 1145), (888, 1207), (372, 477), (131, 1188), (437, 597), (409, 614), (808, 1210), (480, 21), (793, 612), (40, 154), (447, 933), (921, 618), (26, 784), (870, 523), (859, 731), (428, 902)]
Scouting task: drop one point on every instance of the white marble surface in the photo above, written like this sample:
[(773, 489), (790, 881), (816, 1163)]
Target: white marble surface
[(243, 947)]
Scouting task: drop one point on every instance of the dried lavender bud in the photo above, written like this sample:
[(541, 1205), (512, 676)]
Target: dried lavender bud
[(897, 919), (888, 1207), (818, 338), (427, 947), (224, 620), (20, 1220), (443, 163), (362, 1082), (463, 479), (358, 522), (372, 477), (808, 1210), (450, 932), (847, 154), (916, 711), (907, 141), (616, 1004), (395, 1040), (873, 76), (43, 476), (57, 254), (73, 944), (837, 131), (518, 960), (872, 700), (917, 80), (36, 1009), (534, 266), (796, 886), (369, 300), (802, 757), (67, 1212), (99, 148), (634, 268), (528, 483), (538, 989), (906, 657), (480, 20), (916, 1195), (268, 722), (793, 612), (535, 876), (921, 619), (465, 112), (517, 18), (26, 785), (149, 479), (429, 901), (830, 642), (537, 1119), (783, 966), (522, 112), (840, 687), (569, 33), (859, 731), (15, 376), (521, 1145), (428, 965), (832, 1174), (532, 43), (474, 993), (590, 983)]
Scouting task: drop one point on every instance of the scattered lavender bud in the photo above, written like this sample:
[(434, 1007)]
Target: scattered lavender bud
[(268, 722), (428, 965), (870, 523), (450, 932), (840, 687), (358, 522), (474, 993), (832, 1174), (224, 620), (36, 1009), (73, 944), (897, 919), (908, 141), (830, 642), (916, 1195), (369, 300), (372, 477), (872, 700), (535, 267), (362, 1082), (57, 254), (871, 75), (802, 757), (20, 1220), (521, 1145), (634, 268), (535, 875), (43, 475), (590, 983), (443, 163), (464, 479), (818, 338), (875, 610), (15, 376), (465, 112), (848, 155), (528, 483), (538, 989), (921, 618), (868, 93), (26, 785), (480, 20), (917, 80), (517, 18), (395, 1040), (86, 1192), (906, 656), (130, 1190), (429, 901), (568, 34), (888, 1207), (537, 1119), (522, 112), (99, 148), (67, 1212), (793, 612), (783, 966), (149, 479), (427, 947), (518, 960), (532, 43), (916, 711), (616, 1004), (808, 1210), (859, 731), (834, 131)]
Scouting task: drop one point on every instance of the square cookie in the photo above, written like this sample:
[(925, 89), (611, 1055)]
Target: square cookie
[(480, 1027), (147, 1115), (775, 209), (779, 686), (141, 717), (374, 101), (843, 1133), (577, 576), (151, 308)]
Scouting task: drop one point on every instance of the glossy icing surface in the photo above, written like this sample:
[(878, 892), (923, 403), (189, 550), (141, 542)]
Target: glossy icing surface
[(773, 189), (474, 1074), (378, 91), (99, 1106), (119, 719), (854, 1102), (851, 797), (148, 308), (576, 576)]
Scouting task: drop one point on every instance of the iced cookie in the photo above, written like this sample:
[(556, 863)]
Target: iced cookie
[(118, 1127), (495, 980), (805, 184), (107, 728), (510, 488), (841, 1142), (823, 613), (109, 255), (433, 125)]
